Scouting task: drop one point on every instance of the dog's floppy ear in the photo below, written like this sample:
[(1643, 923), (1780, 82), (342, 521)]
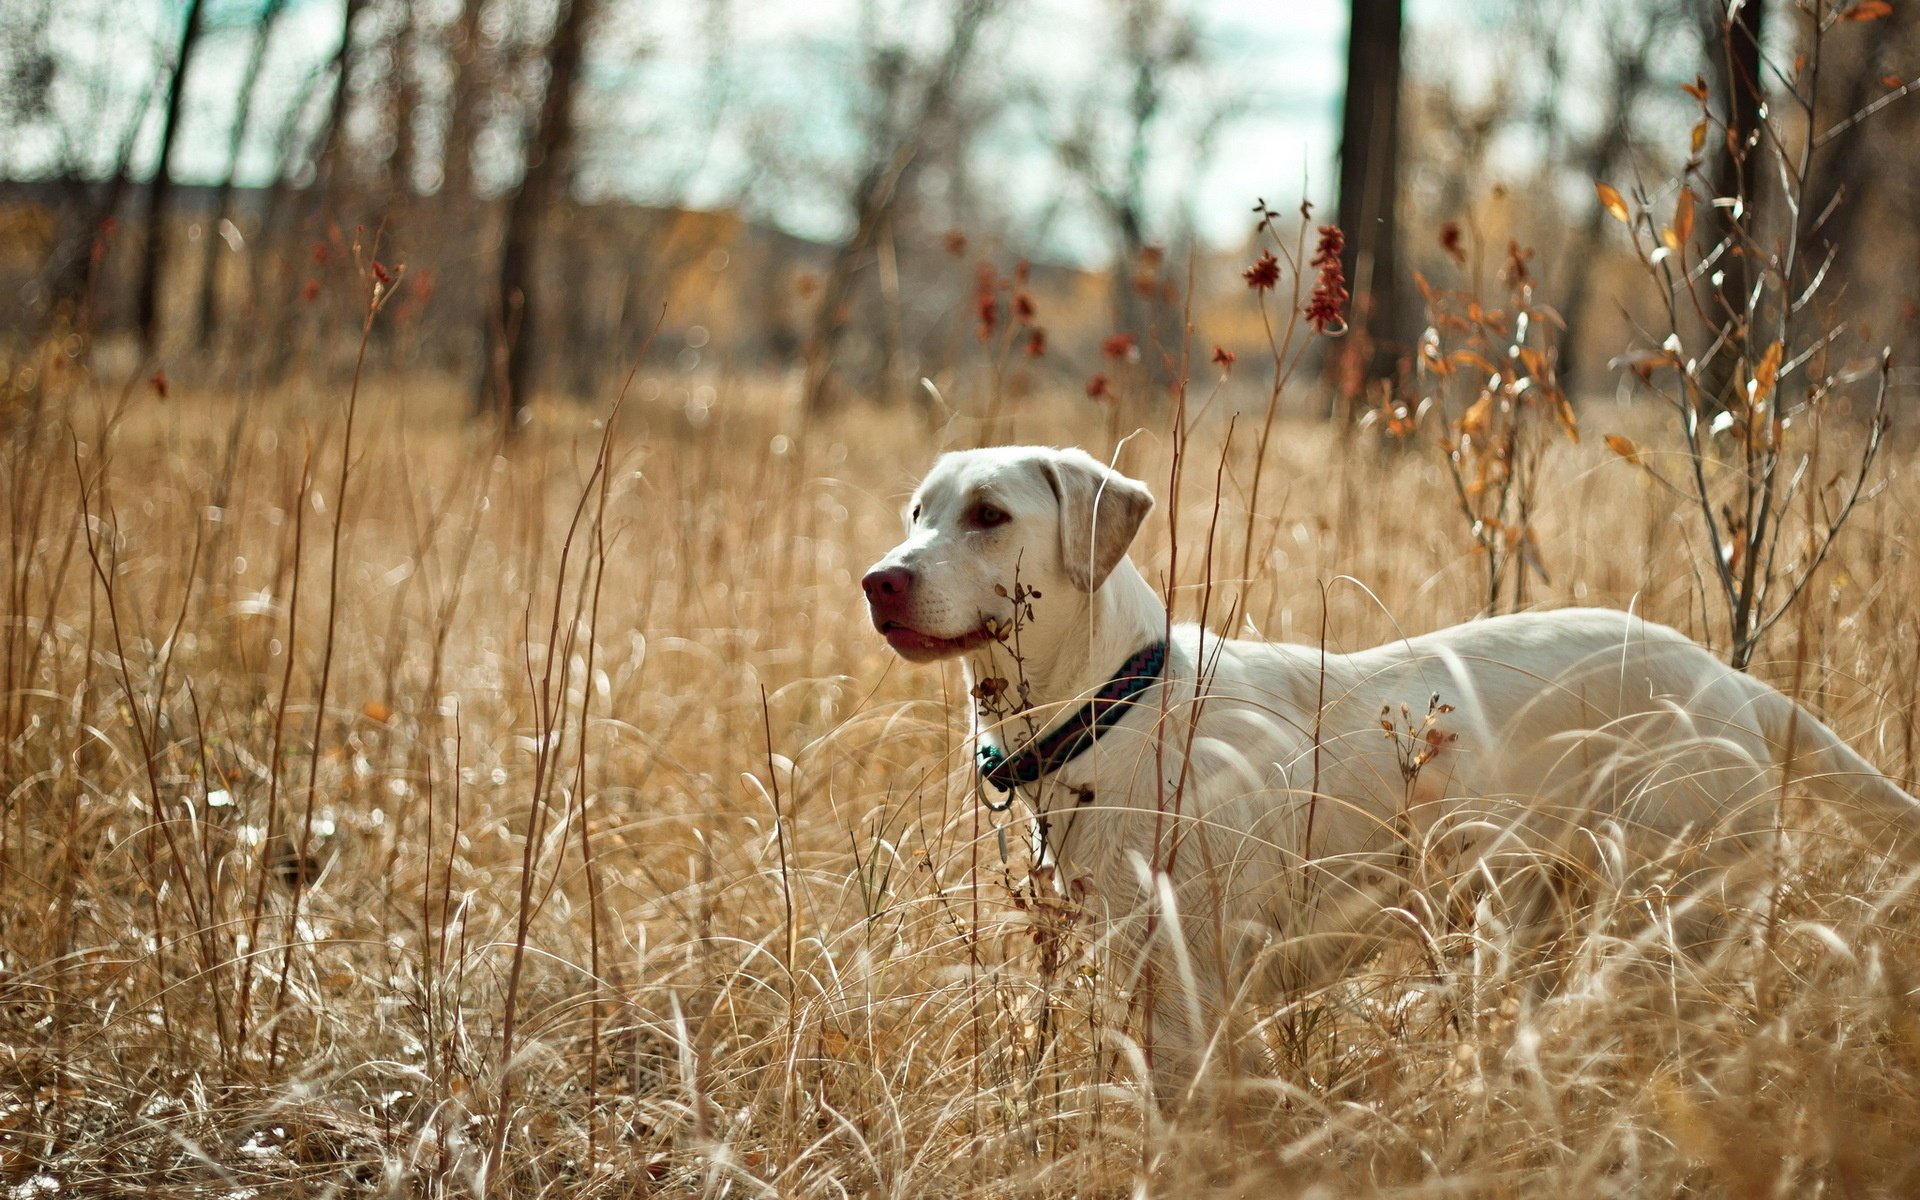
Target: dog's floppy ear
[(1100, 511)]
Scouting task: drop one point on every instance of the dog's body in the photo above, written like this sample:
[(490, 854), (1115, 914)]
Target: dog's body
[(1265, 805)]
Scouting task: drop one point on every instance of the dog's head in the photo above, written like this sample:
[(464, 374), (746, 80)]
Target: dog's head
[(985, 522)]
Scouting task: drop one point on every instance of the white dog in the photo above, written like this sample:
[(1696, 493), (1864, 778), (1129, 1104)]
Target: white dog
[(1241, 815)]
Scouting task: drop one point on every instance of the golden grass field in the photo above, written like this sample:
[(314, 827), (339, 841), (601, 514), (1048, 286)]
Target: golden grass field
[(500, 803)]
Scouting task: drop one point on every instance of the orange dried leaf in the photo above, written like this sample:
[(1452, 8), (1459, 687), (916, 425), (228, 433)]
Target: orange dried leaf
[(1642, 362), (1468, 358), (1549, 314), (1868, 10), (373, 710), (1624, 447), (1611, 201), (1699, 138), (1767, 373), (1475, 419), (1683, 217)]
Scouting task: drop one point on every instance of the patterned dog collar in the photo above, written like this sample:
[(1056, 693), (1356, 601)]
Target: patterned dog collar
[(1074, 736)]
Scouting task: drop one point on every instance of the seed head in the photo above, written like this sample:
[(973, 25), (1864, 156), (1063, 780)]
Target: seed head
[(1262, 275), (1325, 307)]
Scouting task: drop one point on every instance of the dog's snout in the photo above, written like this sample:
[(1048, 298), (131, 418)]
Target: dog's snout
[(887, 582)]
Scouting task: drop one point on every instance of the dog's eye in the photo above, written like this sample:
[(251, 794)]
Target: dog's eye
[(915, 518), (986, 516)]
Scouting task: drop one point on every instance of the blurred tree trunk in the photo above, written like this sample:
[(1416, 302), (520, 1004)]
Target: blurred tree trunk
[(76, 266), (334, 132), (1631, 61), (153, 256), (456, 176), (512, 328), (1149, 61), (324, 194), (891, 151), (458, 216), (267, 293), (1733, 34), (1370, 174), (223, 196), (875, 194), (403, 93), (1853, 162), (1157, 41)]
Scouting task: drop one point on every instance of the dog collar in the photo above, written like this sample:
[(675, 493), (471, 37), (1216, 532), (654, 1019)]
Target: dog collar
[(1074, 736)]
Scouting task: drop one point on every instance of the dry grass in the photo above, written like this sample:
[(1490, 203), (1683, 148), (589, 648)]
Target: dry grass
[(628, 848)]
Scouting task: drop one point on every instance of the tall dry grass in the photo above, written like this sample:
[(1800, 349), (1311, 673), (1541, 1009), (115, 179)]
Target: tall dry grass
[(544, 820)]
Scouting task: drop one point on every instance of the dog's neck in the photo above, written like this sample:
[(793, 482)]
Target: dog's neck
[(1111, 624)]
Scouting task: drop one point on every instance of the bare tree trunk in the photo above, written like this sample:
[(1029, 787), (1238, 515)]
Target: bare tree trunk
[(1733, 50), (274, 251), (456, 182), (1847, 167), (1129, 234), (327, 184), (513, 329), (1127, 210), (223, 197), (404, 93), (459, 218), (155, 252), (874, 196), (876, 192), (1370, 173), (74, 272), (1623, 94)]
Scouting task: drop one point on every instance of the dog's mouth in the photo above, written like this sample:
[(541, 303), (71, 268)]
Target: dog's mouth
[(909, 643)]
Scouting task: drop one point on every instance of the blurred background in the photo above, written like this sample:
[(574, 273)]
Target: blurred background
[(825, 191), (355, 840)]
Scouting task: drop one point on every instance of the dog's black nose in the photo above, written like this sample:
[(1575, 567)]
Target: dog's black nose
[(887, 581)]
